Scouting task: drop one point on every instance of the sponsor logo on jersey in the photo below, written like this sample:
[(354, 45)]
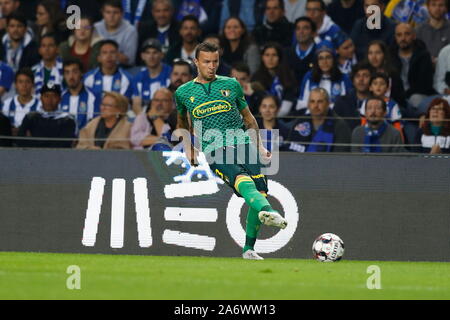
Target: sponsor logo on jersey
[(211, 107)]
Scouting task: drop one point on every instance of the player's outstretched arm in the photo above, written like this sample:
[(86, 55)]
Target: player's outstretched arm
[(184, 132), (251, 124)]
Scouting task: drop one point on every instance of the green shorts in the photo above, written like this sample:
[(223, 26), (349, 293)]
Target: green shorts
[(230, 162)]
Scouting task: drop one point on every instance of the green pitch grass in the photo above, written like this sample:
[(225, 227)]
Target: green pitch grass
[(43, 276)]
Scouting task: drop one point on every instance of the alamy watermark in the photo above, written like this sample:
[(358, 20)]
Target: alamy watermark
[(74, 20), (73, 282), (374, 280)]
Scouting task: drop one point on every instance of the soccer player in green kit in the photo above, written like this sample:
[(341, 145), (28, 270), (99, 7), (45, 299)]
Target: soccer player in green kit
[(216, 107)]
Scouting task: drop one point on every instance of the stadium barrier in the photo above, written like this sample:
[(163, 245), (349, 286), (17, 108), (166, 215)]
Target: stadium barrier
[(384, 207)]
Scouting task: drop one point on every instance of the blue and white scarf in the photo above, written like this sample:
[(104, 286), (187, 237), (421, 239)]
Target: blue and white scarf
[(56, 74), (136, 18), (13, 57), (372, 137), (87, 106)]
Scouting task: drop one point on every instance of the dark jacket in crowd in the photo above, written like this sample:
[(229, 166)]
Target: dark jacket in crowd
[(302, 135), (345, 18), (427, 142), (299, 66), (420, 74), (47, 125), (280, 31), (5, 130), (30, 55), (348, 107), (362, 36), (149, 29)]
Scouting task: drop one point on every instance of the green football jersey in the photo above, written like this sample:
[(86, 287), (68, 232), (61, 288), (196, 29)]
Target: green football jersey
[(214, 108)]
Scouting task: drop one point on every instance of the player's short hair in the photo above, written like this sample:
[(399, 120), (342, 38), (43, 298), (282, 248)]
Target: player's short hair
[(323, 7), (381, 100), (71, 62), (121, 101), (378, 75), (113, 3), (205, 47), (108, 41), (308, 20), (241, 67), (24, 72), (18, 17)]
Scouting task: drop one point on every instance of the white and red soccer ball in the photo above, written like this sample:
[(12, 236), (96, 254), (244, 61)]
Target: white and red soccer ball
[(328, 248)]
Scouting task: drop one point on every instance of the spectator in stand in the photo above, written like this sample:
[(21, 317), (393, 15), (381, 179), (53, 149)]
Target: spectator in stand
[(224, 68), (6, 8), (190, 33), (109, 76), (415, 66), (345, 13), (251, 12), (83, 44), (48, 123), (276, 77), (213, 9), (362, 36), (181, 73), (379, 86), (441, 82), (5, 130), (253, 91), (152, 126), (324, 127), (276, 27), (50, 19), (164, 26), (435, 33), (23, 102), (78, 100), (349, 106), (152, 77), (377, 135), (238, 46), (326, 28), (379, 57), (324, 74), (345, 50), (110, 130), (268, 109), (115, 27), (294, 9), (18, 49), (300, 57), (434, 136), (50, 68), (6, 78)]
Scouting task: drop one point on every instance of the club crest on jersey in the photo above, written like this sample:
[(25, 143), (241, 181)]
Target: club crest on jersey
[(192, 99), (209, 108), (225, 93)]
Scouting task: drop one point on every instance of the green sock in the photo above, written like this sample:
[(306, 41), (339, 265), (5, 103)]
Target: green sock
[(247, 188), (252, 229)]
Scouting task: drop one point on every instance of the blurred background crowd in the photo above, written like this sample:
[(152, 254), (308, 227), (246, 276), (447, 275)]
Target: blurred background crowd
[(330, 75)]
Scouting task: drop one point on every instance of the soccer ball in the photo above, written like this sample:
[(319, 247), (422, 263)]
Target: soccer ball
[(328, 248)]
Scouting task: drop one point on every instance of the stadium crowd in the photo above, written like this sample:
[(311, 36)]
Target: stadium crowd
[(313, 69)]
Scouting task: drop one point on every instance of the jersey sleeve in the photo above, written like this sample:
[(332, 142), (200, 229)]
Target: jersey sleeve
[(241, 102), (181, 108)]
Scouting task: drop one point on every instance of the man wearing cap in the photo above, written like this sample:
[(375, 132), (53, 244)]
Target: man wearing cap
[(48, 123), (153, 76)]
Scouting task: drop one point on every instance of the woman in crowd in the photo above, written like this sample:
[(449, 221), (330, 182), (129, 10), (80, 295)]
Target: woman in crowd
[(237, 44), (83, 44), (276, 77), (324, 74), (152, 127), (378, 57), (268, 121), (345, 50), (50, 19), (434, 135), (110, 130)]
